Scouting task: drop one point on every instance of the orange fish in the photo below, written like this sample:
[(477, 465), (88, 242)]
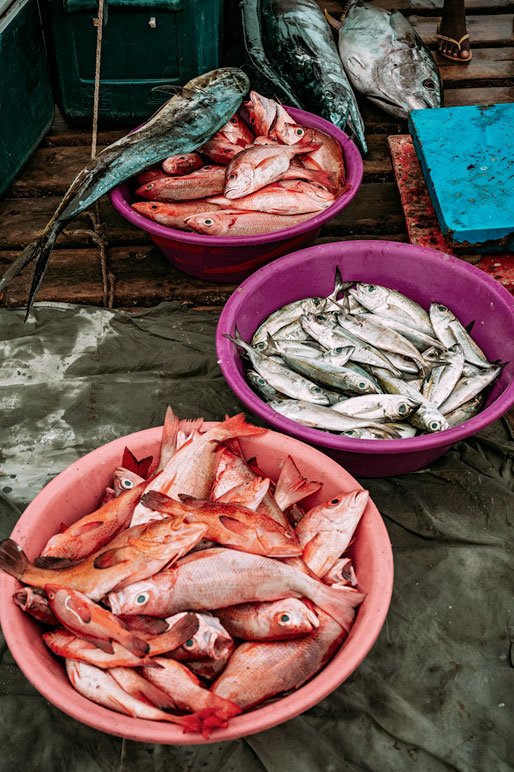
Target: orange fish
[(133, 554), (249, 494), (326, 530), (232, 525), (68, 645), (242, 223), (101, 687), (282, 197), (150, 175), (258, 670), (262, 113), (33, 600), (268, 621), (175, 433), (184, 687), (220, 577), (91, 532), (210, 640), (81, 616), (292, 486), (176, 165), (140, 688), (207, 181), (329, 154), (237, 132), (192, 468), (220, 151), (172, 214), (257, 166)]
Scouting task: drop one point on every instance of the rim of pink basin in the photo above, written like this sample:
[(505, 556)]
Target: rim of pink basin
[(236, 381), (354, 169), (345, 661)]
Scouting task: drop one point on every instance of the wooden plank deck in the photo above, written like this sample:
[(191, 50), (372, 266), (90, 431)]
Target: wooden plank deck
[(140, 275)]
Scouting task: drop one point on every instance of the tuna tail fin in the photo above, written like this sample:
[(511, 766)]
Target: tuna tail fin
[(39, 249), (12, 558), (338, 603)]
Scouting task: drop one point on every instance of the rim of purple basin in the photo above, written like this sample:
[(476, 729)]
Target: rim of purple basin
[(236, 381), (354, 169)]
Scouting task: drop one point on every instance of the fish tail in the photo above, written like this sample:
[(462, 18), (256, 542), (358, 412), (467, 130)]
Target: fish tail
[(157, 500), (236, 427), (338, 603), (39, 250), (12, 558), (137, 646)]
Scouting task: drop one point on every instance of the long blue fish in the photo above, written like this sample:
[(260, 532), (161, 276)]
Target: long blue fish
[(181, 125)]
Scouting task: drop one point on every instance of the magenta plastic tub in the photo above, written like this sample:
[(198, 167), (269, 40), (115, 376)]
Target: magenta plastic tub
[(227, 259), (426, 276)]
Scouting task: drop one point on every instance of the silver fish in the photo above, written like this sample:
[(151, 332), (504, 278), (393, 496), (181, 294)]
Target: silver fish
[(386, 407), (327, 332), (386, 60), (444, 378), (278, 346), (467, 388), (262, 387), (323, 372), (280, 377), (321, 417), (449, 330), (465, 411), (403, 428), (292, 312), (427, 417), (183, 123), (415, 336), (376, 334), (372, 434), (393, 304)]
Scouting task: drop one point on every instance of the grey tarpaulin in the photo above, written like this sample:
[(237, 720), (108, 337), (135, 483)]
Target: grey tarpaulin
[(437, 690)]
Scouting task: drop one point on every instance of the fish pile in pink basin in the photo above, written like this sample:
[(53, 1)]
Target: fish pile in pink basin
[(199, 588), (246, 181)]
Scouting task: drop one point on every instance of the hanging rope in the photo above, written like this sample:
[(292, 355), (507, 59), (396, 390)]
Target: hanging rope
[(98, 236)]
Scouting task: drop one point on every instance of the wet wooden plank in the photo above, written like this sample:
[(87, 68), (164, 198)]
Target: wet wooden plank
[(489, 30), (479, 96), (493, 65)]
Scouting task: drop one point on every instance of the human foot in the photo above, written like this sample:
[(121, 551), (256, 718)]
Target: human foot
[(452, 34)]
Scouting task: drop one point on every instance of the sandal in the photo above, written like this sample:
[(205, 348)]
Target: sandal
[(457, 43)]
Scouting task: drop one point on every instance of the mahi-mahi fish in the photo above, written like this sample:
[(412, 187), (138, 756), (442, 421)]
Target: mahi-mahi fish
[(386, 60), (181, 125)]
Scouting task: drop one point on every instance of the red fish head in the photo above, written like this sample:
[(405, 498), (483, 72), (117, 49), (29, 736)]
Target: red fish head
[(262, 113), (148, 209), (279, 542), (293, 617)]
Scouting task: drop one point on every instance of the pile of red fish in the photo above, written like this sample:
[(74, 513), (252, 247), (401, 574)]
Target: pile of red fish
[(247, 181), (199, 588)]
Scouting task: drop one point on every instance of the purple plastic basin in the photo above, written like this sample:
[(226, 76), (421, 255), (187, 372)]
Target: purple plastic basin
[(422, 274), (232, 258)]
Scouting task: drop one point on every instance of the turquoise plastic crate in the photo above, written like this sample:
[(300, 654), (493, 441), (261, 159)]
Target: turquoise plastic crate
[(26, 102), (146, 43)]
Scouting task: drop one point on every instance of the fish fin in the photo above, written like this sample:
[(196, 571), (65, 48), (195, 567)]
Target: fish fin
[(236, 426), (63, 527), (169, 437), (132, 464), (41, 246), (110, 558), (137, 646), (156, 500), (55, 564), (180, 632), (236, 526), (470, 326), (80, 530), (333, 21), (338, 603), (292, 486), (100, 643), (80, 607), (42, 249), (144, 623)]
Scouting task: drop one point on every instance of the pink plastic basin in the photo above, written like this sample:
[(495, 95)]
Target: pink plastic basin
[(232, 258), (77, 490), (422, 274)]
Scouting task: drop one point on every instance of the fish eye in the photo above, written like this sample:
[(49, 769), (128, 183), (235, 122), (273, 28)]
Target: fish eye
[(234, 120), (361, 385), (181, 158), (434, 425), (428, 83), (349, 433), (142, 598), (154, 206), (261, 345), (315, 301), (334, 502), (189, 642), (371, 287), (402, 409), (299, 132), (316, 389), (149, 187), (207, 168), (288, 534), (231, 177), (321, 318), (338, 350), (127, 483), (284, 618), (261, 381), (442, 308), (252, 121), (208, 221)]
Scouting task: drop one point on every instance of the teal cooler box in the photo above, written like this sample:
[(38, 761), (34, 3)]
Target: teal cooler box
[(145, 43), (26, 102)]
